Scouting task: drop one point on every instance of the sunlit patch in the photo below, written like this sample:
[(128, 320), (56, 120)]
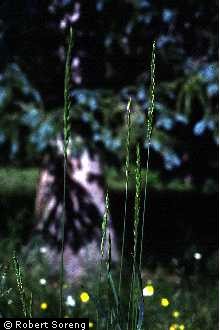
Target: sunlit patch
[(91, 324), (173, 327)]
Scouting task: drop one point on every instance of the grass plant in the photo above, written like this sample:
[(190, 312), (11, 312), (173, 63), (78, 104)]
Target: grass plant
[(115, 319), (136, 303)]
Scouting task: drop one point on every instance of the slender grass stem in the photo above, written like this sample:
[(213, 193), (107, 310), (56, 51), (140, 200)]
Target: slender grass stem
[(137, 204), (132, 308), (127, 163), (66, 130), (132, 318), (62, 241), (105, 221)]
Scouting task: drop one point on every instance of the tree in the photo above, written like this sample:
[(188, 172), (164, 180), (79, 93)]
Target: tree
[(112, 48)]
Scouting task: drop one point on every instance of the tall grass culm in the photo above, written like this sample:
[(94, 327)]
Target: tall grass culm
[(135, 296), (66, 131), (136, 302), (127, 163), (105, 222), (150, 117), (115, 319)]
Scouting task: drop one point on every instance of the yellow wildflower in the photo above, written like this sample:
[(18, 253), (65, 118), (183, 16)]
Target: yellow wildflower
[(164, 302), (43, 306), (84, 297), (175, 314), (91, 324), (173, 327), (182, 327), (148, 290)]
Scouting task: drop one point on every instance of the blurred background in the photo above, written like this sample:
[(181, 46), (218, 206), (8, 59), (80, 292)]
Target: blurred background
[(110, 63)]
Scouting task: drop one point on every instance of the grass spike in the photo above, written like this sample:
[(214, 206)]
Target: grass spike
[(67, 101), (127, 163), (105, 225), (137, 201), (150, 116)]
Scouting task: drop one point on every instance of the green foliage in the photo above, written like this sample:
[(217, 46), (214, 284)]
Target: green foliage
[(21, 112), (107, 70)]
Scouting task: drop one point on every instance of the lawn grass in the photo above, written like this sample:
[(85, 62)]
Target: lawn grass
[(15, 180), (24, 180)]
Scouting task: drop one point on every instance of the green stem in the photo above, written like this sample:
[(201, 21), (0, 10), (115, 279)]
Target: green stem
[(126, 189), (62, 235)]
